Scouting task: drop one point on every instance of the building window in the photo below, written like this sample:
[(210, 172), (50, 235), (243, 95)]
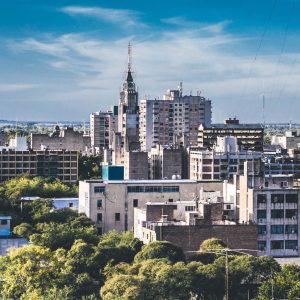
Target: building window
[(3, 222), (70, 205), (117, 217), (276, 245), (99, 189), (171, 200), (189, 208), (261, 198), (291, 229), (291, 213), (262, 229), (277, 229), (291, 244), (261, 213), (99, 203), (277, 213), (261, 245), (99, 217), (277, 198), (291, 198), (135, 202)]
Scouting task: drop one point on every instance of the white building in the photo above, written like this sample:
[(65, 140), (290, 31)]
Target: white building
[(111, 203), (174, 120), (222, 162)]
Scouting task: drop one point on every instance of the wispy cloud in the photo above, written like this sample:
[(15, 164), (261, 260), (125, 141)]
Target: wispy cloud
[(115, 16), (13, 87)]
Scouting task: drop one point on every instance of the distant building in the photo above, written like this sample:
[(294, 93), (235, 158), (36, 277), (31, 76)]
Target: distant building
[(289, 140), (3, 138), (166, 162), (174, 120), (59, 164), (221, 162), (249, 136), (5, 226), (110, 204), (103, 125), (136, 165), (188, 224), (61, 139)]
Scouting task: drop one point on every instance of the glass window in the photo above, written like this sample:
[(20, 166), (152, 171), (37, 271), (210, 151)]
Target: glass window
[(99, 189), (99, 203), (291, 244), (277, 213), (189, 208), (99, 217), (291, 198), (290, 229), (291, 213), (276, 245), (117, 217), (277, 198), (262, 229), (261, 213), (261, 198), (135, 202), (3, 222), (261, 245), (277, 229)]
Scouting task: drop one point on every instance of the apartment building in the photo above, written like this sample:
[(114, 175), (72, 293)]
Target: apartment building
[(174, 120), (102, 128), (60, 164), (61, 139), (222, 162), (110, 204), (249, 136)]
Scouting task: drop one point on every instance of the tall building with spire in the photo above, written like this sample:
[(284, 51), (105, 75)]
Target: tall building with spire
[(128, 116)]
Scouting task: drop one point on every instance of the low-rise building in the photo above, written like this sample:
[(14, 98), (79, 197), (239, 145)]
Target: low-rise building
[(110, 204), (188, 224)]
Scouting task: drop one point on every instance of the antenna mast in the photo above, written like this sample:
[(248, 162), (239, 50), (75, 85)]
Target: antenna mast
[(129, 57)]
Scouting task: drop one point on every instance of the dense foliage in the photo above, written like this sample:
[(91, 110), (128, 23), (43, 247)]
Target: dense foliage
[(89, 167), (68, 259)]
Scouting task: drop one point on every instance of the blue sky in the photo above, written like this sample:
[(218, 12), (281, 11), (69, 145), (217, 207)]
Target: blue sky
[(61, 60)]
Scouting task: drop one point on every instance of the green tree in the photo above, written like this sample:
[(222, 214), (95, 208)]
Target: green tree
[(160, 249), (89, 167)]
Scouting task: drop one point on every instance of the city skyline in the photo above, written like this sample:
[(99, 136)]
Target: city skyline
[(60, 61)]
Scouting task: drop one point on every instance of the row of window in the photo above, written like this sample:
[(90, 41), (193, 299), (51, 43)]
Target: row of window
[(152, 189), (278, 229), (277, 245), (277, 213), (117, 217), (278, 198), (135, 203)]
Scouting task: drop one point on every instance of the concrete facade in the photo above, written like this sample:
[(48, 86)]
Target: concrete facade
[(61, 139), (136, 165), (110, 204)]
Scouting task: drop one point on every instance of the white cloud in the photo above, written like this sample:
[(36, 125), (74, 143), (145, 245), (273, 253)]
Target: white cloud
[(214, 62), (115, 16), (13, 87)]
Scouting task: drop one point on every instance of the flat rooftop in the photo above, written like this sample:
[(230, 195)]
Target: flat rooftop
[(148, 181)]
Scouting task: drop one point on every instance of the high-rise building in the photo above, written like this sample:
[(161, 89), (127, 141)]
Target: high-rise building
[(174, 120), (128, 117), (103, 125)]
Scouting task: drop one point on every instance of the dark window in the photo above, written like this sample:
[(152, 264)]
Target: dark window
[(291, 213), (261, 198), (3, 222), (262, 229), (292, 198), (135, 202), (277, 229), (290, 229), (275, 245), (70, 204), (99, 217), (291, 244), (99, 203), (99, 189), (277, 198), (117, 217), (261, 245), (261, 214), (277, 213)]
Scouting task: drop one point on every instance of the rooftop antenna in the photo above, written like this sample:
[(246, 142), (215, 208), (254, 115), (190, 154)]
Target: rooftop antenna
[(180, 88), (263, 110), (129, 57), (290, 125)]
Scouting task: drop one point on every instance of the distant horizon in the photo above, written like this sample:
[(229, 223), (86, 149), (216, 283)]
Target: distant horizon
[(62, 60)]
